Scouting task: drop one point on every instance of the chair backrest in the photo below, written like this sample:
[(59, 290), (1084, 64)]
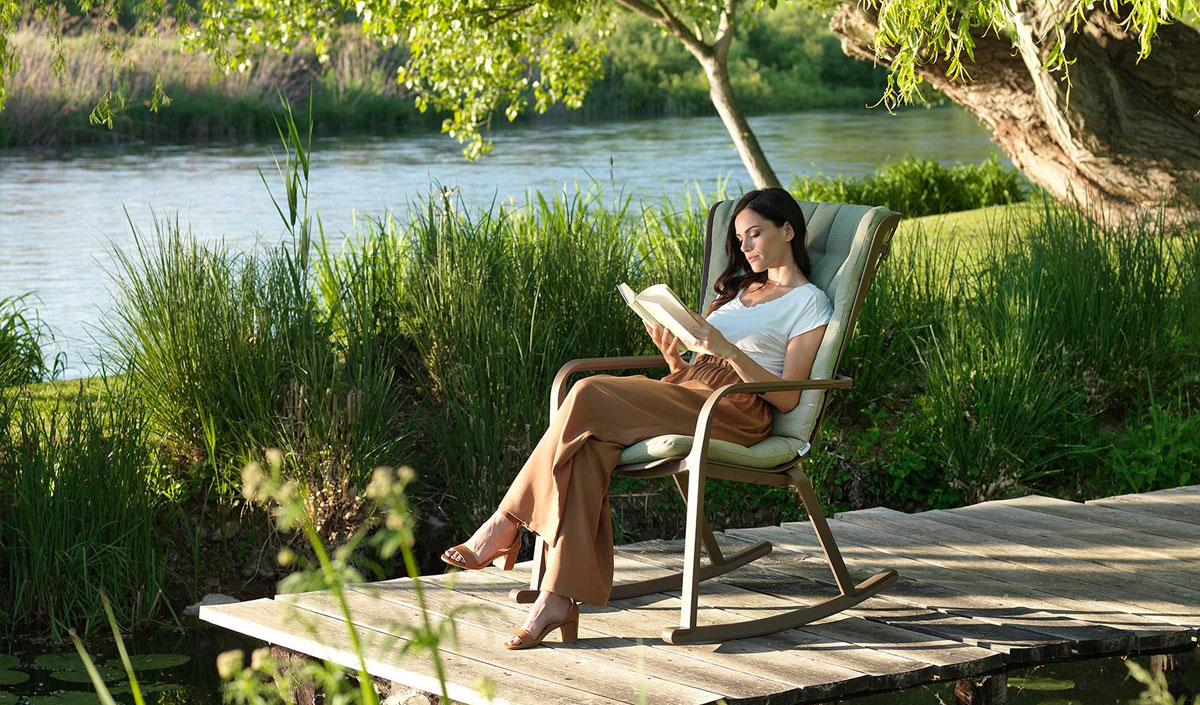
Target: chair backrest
[(845, 243)]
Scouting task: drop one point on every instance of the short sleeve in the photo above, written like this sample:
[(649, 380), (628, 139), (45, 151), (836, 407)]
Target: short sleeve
[(815, 312)]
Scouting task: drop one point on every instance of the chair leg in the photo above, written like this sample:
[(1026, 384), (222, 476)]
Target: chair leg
[(817, 516), (537, 571), (849, 593), (706, 535), (691, 549)]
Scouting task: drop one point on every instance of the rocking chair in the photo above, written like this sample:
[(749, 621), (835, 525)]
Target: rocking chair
[(846, 244)]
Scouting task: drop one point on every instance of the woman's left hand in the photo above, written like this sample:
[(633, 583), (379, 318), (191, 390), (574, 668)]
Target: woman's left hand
[(706, 337)]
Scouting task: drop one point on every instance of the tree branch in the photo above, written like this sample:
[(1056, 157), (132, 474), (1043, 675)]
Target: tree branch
[(725, 30), (692, 40), (644, 10)]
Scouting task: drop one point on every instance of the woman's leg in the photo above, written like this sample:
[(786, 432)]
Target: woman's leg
[(562, 491)]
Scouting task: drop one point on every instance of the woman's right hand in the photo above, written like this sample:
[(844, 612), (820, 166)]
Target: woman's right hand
[(667, 343)]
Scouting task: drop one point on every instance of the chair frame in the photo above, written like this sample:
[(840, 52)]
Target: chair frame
[(690, 473)]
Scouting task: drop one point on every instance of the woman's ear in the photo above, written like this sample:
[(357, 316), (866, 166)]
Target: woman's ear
[(788, 232)]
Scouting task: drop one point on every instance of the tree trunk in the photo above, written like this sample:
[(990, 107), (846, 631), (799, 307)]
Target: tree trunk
[(1127, 140), (721, 92)]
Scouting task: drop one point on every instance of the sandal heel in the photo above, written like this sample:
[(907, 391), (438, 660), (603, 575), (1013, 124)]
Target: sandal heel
[(569, 631), (510, 558)]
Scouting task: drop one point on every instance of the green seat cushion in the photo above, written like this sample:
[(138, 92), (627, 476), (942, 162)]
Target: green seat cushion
[(766, 454)]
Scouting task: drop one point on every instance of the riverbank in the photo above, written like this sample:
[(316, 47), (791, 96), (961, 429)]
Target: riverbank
[(977, 376), (799, 66)]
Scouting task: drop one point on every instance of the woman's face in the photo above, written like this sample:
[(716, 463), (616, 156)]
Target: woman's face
[(763, 243)]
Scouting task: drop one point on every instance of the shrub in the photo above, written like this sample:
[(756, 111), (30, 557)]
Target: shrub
[(917, 187)]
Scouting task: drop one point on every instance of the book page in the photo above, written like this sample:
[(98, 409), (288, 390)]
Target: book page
[(666, 308), (654, 313)]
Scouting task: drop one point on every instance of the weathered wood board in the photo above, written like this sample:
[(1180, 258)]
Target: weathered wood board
[(1011, 583)]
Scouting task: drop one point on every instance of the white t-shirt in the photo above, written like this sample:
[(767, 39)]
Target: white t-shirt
[(762, 331)]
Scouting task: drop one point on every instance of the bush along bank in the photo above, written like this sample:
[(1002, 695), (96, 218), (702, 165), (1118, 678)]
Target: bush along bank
[(1058, 356)]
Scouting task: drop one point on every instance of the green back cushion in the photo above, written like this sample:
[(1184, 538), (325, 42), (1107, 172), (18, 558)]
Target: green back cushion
[(838, 241)]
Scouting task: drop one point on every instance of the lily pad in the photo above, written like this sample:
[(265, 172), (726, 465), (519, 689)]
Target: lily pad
[(13, 677), (68, 661), (7, 662), (161, 687), (106, 674), (66, 697), (1041, 683), (7, 698), (150, 662)]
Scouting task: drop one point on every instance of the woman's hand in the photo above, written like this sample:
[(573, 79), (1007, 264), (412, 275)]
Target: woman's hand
[(706, 337), (667, 344)]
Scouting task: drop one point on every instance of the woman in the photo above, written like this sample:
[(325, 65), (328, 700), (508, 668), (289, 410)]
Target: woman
[(765, 324)]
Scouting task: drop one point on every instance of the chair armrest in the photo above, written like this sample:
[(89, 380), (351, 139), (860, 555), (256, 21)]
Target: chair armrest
[(700, 440), (558, 390)]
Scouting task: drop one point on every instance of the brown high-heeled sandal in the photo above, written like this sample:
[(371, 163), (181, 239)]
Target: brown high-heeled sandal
[(471, 562), (569, 627)]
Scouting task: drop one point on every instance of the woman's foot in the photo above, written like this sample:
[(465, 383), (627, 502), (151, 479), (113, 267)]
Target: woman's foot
[(490, 539), (549, 608)]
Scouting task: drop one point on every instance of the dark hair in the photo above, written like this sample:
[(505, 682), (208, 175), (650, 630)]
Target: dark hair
[(777, 206)]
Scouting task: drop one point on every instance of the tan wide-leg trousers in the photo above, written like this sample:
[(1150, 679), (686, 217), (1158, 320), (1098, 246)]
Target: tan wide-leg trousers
[(562, 491)]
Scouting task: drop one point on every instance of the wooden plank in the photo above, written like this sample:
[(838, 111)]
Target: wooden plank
[(1097, 514), (1155, 557), (799, 680), (1170, 504), (502, 615), (796, 584), (1051, 572), (771, 656), (322, 637), (572, 669), (833, 638), (978, 599), (871, 546)]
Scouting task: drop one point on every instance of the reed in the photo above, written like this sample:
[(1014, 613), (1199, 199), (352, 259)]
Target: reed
[(21, 335), (79, 494)]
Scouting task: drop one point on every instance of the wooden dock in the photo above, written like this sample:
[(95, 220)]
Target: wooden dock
[(982, 589)]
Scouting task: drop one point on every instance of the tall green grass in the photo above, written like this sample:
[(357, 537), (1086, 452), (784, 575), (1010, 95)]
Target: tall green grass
[(21, 335), (79, 493), (1018, 356), (232, 353), (487, 306), (236, 352)]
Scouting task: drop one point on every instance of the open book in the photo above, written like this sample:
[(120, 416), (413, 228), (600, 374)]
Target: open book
[(658, 304)]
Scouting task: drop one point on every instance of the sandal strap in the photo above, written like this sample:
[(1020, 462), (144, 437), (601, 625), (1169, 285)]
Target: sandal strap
[(468, 558)]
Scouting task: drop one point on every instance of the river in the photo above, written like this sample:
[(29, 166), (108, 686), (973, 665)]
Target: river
[(61, 211)]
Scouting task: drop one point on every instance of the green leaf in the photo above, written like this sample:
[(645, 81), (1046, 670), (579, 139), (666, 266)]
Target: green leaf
[(59, 662), (106, 674), (151, 662)]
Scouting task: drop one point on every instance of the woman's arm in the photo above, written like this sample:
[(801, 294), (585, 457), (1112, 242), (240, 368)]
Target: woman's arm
[(798, 359), (797, 364)]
